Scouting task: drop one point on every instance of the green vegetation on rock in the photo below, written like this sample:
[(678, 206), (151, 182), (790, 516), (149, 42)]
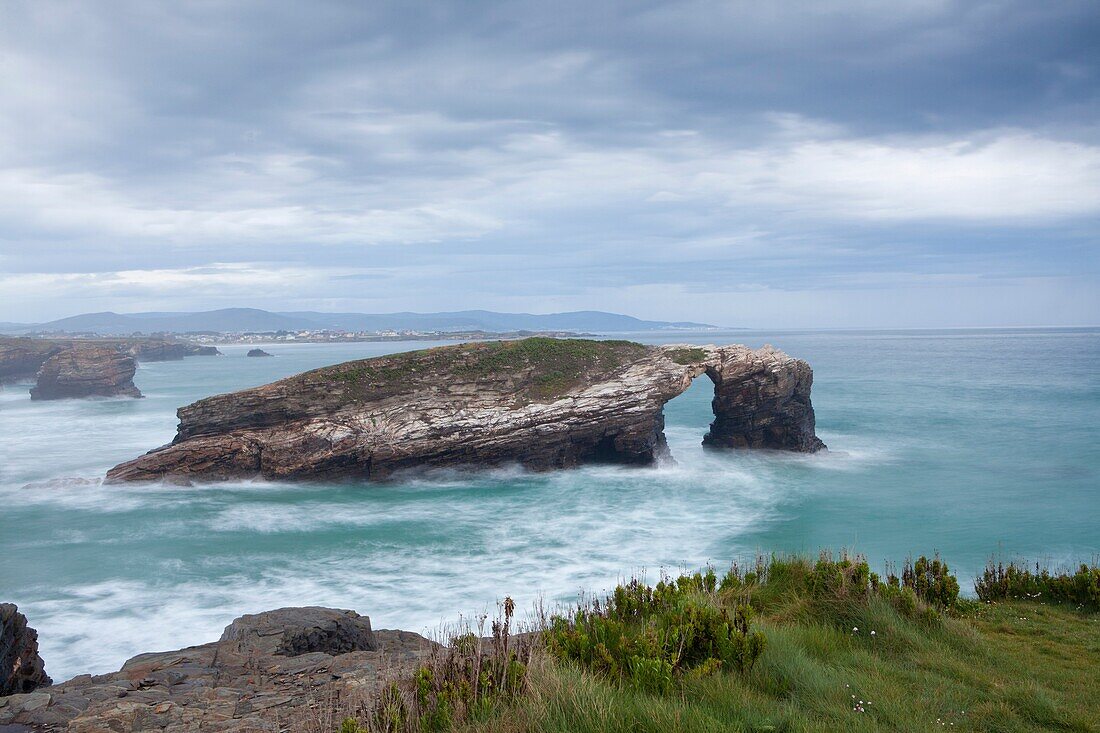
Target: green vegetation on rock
[(687, 356), (538, 368)]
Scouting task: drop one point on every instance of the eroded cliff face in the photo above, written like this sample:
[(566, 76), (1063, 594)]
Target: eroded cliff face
[(542, 403), (21, 669), (21, 357), (86, 372)]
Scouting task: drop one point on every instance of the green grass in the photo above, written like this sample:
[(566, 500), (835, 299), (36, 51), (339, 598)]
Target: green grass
[(1008, 666), (687, 356), (534, 369)]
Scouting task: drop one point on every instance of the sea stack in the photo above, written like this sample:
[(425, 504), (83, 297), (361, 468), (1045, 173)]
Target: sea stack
[(87, 371), (542, 403)]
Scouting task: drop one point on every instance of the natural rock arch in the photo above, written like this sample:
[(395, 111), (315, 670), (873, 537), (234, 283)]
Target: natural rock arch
[(542, 403)]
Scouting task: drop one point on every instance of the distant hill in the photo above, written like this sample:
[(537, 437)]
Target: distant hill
[(488, 321), (236, 320)]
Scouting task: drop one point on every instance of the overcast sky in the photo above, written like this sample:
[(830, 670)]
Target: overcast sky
[(832, 163)]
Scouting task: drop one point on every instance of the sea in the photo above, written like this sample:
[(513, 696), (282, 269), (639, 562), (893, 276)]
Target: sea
[(975, 444)]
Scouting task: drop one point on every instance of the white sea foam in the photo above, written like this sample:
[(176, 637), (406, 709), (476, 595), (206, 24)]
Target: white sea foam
[(106, 572)]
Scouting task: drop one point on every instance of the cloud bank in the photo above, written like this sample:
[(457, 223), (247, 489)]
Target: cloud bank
[(815, 164)]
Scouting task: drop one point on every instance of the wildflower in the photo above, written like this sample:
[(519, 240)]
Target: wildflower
[(855, 629), (872, 633)]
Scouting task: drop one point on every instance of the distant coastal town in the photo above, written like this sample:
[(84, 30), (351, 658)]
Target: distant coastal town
[(315, 336)]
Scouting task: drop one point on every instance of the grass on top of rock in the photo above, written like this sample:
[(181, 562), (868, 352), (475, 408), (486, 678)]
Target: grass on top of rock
[(687, 356), (793, 644), (538, 368)]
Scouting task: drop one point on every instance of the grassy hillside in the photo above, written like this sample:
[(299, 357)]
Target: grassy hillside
[(789, 645)]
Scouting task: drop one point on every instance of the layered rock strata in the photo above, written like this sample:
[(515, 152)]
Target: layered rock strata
[(150, 350), (543, 403), (276, 671), (21, 357), (21, 668), (86, 372)]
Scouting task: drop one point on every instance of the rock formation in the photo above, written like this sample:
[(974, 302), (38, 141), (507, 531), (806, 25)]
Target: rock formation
[(152, 350), (21, 669), (269, 672), (21, 358), (90, 371), (257, 352), (543, 403), (290, 632)]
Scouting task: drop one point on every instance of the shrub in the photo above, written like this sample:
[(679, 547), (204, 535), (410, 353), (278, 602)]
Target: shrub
[(931, 580), (650, 636), (1015, 581), (843, 578), (458, 682)]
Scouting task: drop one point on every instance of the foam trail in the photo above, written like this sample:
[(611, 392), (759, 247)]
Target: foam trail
[(106, 572)]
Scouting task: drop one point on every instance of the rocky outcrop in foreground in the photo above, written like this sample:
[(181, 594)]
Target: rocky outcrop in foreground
[(21, 669), (86, 372), (543, 403), (284, 670)]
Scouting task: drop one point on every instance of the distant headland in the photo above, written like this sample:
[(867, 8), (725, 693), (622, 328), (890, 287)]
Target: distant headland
[(304, 324)]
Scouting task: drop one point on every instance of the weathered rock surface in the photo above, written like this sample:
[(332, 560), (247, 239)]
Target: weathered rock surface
[(257, 352), (543, 403), (21, 669), (236, 685), (21, 358), (290, 632), (151, 350), (86, 372)]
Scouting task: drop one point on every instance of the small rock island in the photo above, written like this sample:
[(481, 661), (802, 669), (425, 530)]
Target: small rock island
[(257, 352), (540, 402)]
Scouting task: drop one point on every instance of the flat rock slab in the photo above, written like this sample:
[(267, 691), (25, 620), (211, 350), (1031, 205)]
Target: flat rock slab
[(250, 680)]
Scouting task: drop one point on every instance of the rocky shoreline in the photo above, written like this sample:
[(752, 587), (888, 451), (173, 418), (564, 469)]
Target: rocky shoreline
[(540, 403), (271, 671)]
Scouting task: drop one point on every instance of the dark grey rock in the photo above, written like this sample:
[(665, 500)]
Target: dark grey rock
[(21, 668), (291, 632), (241, 684)]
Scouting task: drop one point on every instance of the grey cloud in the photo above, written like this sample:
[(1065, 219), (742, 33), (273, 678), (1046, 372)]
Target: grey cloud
[(468, 151)]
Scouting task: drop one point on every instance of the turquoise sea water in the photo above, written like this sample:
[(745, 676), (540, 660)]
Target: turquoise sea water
[(967, 442)]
